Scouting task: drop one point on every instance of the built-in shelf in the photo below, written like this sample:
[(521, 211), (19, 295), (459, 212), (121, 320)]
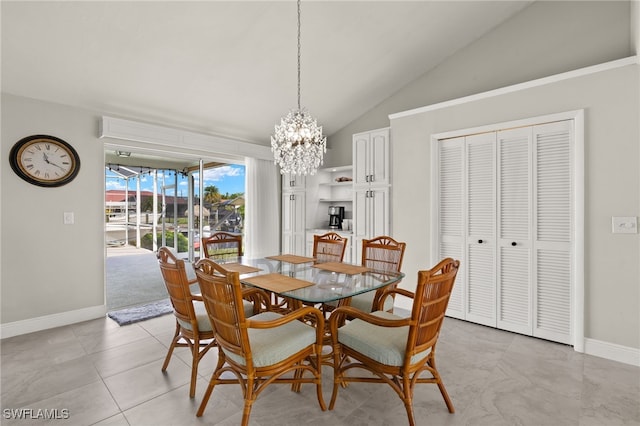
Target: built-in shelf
[(347, 183), (323, 191), (335, 200)]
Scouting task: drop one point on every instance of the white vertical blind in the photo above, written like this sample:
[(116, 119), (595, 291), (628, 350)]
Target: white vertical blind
[(262, 220)]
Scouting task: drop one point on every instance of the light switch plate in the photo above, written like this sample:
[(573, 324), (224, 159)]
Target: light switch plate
[(68, 218), (624, 225)]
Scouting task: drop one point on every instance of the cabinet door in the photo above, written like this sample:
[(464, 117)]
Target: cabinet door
[(360, 205), (370, 216), (293, 223), (480, 228), (378, 212), (514, 230), (553, 231), (450, 217), (292, 182), (371, 158), (371, 212), (361, 159), (379, 157)]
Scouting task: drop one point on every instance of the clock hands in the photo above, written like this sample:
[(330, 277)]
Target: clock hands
[(46, 160)]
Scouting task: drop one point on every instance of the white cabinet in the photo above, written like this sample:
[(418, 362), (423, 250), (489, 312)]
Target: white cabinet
[(371, 187), (293, 214), (293, 229), (292, 182), (504, 208), (371, 216), (371, 158)]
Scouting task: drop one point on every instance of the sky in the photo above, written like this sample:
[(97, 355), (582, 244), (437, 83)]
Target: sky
[(229, 178)]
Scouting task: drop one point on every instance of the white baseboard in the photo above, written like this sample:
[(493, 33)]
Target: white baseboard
[(612, 351), (51, 321)]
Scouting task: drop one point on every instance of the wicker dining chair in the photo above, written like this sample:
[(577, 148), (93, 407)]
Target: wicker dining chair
[(385, 254), (329, 247), (193, 328), (264, 349), (222, 246), (396, 350)]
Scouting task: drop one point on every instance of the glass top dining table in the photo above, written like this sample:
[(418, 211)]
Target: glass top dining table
[(321, 282)]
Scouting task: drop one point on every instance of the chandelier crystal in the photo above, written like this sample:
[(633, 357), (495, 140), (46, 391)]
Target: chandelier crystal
[(297, 144)]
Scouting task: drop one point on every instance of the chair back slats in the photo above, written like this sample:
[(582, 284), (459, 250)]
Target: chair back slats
[(177, 284), (329, 247), (222, 294), (383, 254), (430, 304), (222, 246)]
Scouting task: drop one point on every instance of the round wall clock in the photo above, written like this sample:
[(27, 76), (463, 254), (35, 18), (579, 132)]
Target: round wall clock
[(44, 160)]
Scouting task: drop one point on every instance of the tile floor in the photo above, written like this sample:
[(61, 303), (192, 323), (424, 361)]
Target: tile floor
[(102, 374)]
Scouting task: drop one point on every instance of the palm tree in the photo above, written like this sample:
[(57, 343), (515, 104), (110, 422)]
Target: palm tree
[(212, 194)]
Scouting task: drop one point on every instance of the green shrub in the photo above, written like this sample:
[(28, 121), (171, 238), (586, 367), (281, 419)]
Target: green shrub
[(183, 242)]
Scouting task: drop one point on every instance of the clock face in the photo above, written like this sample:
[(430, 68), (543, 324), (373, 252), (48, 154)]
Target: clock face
[(45, 160)]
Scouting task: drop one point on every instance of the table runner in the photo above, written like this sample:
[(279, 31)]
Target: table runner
[(277, 283), (342, 268)]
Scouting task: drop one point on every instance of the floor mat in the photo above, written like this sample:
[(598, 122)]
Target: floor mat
[(141, 313)]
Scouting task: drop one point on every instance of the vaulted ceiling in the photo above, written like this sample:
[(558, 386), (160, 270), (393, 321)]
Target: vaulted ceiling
[(229, 67)]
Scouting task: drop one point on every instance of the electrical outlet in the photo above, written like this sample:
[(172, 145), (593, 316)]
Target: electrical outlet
[(624, 225), (68, 218)]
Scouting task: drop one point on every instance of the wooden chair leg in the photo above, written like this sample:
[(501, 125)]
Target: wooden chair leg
[(195, 359), (407, 399), (172, 346), (440, 383)]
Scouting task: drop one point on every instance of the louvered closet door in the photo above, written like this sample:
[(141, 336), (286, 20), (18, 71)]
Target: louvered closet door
[(514, 230), (553, 225), (481, 223), (450, 164)]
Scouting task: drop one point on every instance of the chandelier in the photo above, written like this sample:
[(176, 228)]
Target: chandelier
[(297, 143)]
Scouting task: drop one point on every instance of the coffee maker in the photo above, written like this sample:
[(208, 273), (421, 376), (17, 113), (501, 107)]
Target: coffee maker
[(336, 215)]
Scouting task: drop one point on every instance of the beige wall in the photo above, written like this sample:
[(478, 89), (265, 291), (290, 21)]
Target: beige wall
[(49, 267), (612, 185)]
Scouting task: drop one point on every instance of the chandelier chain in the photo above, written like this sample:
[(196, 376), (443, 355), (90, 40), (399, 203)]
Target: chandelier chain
[(298, 144), (299, 54)]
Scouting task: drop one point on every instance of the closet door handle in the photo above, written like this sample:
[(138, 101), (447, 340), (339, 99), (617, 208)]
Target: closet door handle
[(480, 241), (514, 244)]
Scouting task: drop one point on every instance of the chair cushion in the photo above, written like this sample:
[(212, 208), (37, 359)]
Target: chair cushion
[(203, 319), (272, 345), (364, 302), (386, 345)]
